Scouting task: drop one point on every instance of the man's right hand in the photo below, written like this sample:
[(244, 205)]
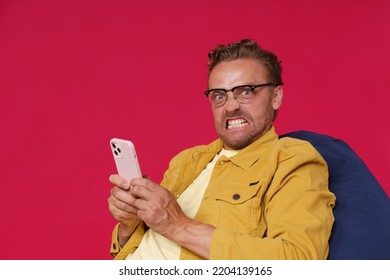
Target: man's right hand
[(120, 208)]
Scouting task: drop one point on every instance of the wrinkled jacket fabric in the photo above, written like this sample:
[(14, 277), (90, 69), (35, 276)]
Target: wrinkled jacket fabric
[(270, 201)]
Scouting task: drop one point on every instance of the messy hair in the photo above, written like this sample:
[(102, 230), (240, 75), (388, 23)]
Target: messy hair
[(247, 48)]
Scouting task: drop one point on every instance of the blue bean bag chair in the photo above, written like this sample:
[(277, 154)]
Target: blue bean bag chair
[(362, 213)]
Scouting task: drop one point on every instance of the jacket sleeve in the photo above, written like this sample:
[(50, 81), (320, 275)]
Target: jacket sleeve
[(297, 210), (121, 253)]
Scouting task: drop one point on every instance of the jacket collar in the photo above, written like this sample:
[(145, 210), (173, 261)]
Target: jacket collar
[(256, 150), (247, 156)]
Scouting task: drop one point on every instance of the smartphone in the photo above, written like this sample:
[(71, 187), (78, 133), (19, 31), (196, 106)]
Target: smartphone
[(125, 157)]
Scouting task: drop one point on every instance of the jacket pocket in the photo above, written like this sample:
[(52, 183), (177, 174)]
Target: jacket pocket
[(239, 207)]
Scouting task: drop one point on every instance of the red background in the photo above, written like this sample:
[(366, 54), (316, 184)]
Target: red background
[(74, 74)]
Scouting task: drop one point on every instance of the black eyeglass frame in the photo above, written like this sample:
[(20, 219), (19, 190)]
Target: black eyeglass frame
[(252, 87)]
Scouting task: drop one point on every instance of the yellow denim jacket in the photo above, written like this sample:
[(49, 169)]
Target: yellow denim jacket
[(270, 201)]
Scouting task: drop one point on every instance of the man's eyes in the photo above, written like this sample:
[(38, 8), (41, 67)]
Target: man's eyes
[(218, 95), (244, 91)]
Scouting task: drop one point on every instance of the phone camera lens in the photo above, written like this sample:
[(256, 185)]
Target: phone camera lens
[(115, 152)]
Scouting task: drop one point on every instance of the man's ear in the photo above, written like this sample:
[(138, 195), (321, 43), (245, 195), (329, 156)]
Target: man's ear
[(277, 98)]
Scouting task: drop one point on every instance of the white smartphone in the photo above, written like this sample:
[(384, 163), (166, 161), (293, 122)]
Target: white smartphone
[(125, 157)]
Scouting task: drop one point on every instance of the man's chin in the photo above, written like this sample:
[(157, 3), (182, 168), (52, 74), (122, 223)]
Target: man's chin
[(236, 144)]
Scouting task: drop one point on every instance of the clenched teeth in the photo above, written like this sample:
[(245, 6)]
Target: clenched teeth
[(236, 123)]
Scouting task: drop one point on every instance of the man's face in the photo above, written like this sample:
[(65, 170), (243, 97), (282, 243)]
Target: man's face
[(238, 124)]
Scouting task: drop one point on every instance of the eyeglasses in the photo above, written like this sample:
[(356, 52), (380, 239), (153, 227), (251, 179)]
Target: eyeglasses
[(243, 94)]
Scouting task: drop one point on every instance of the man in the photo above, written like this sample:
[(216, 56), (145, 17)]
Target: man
[(247, 195)]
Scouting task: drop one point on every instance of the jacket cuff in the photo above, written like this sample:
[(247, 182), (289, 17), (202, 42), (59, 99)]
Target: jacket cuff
[(115, 247), (133, 243)]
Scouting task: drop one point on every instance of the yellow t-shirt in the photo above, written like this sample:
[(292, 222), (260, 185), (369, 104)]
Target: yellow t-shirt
[(155, 246)]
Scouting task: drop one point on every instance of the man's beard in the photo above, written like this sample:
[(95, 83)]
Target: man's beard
[(241, 143)]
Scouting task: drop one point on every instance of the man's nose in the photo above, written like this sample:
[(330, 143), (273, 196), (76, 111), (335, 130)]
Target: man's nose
[(231, 104)]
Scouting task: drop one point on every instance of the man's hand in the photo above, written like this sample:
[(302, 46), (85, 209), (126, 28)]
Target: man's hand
[(158, 208), (120, 205)]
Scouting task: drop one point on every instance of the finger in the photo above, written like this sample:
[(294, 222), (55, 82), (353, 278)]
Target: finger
[(120, 205), (152, 200), (119, 181), (141, 192), (122, 195), (145, 183), (121, 215)]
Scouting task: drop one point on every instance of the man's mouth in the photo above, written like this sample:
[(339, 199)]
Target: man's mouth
[(236, 123)]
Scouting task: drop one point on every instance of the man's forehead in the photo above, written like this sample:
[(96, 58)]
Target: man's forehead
[(241, 71)]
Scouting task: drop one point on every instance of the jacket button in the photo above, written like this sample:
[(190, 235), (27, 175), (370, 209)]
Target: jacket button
[(236, 196)]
